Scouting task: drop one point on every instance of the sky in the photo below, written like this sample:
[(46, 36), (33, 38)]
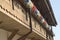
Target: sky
[(56, 9)]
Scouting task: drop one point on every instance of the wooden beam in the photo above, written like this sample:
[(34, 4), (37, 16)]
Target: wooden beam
[(12, 35)]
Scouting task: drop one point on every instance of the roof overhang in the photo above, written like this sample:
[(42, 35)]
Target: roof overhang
[(45, 8)]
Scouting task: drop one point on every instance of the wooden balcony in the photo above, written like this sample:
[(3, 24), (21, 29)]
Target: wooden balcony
[(11, 20)]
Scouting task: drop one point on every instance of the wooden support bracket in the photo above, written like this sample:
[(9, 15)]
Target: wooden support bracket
[(12, 35)]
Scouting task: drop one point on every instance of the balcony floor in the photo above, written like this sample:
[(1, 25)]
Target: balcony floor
[(9, 24)]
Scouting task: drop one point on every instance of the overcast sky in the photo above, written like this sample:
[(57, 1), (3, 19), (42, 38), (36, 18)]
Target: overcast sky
[(56, 8)]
